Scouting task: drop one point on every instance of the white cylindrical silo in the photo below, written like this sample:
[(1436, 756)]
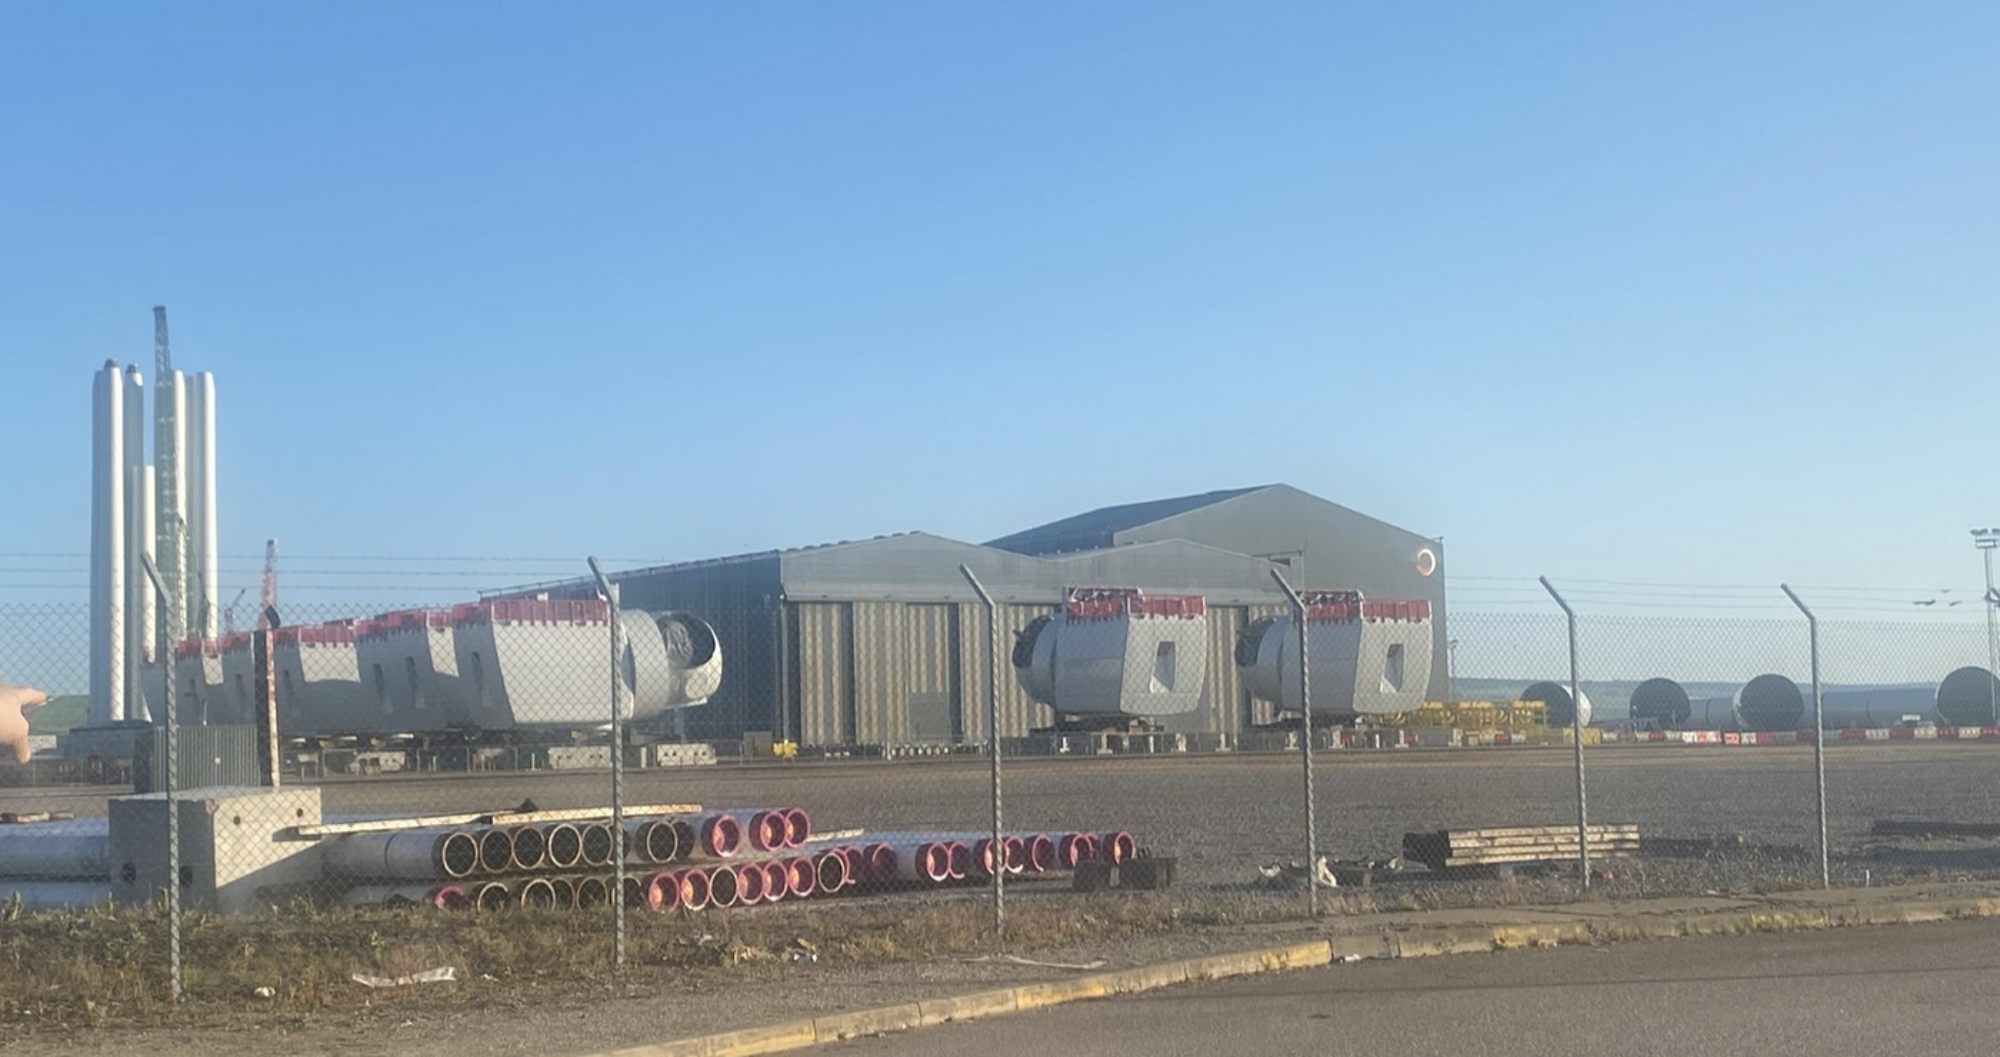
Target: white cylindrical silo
[(107, 601), (136, 587), (203, 546), (145, 617), (171, 548)]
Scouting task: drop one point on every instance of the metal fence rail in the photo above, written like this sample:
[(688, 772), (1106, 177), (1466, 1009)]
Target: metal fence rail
[(471, 757)]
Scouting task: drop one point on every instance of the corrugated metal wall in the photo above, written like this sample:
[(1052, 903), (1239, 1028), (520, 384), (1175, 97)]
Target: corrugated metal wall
[(876, 673)]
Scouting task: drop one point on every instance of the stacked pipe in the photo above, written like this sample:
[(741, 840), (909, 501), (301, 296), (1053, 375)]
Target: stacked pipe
[(716, 859), (563, 865)]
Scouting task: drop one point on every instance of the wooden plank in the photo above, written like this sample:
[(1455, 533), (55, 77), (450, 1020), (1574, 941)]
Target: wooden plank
[(1565, 855), (589, 814), (836, 836), (1538, 831), (489, 818), (1517, 842), (1913, 828)]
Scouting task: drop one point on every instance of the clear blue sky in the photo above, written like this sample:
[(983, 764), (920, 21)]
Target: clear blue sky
[(1681, 293)]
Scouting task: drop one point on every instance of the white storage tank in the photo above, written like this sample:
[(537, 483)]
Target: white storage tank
[(410, 667), (1117, 652), (1368, 657)]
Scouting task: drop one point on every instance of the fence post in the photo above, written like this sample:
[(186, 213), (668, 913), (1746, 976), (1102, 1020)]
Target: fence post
[(1819, 736), (993, 746), (167, 637), (610, 592), (1576, 738), (1305, 741)]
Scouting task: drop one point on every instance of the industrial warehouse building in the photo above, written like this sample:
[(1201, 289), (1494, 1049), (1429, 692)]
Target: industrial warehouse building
[(882, 642)]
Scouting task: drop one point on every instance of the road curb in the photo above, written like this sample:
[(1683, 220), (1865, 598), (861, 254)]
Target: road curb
[(1416, 942)]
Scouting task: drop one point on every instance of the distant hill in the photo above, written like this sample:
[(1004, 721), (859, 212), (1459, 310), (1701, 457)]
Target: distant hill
[(60, 714)]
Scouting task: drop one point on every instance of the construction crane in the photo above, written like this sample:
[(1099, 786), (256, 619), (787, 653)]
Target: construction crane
[(229, 614)]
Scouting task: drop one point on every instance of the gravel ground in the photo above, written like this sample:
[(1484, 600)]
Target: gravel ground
[(1221, 815)]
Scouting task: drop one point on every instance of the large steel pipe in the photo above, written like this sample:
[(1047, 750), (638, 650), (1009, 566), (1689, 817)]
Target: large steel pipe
[(636, 895), (753, 882), (496, 850), (721, 836), (1770, 703), (598, 841), (444, 897), (831, 873), (694, 888), (1074, 848), (537, 894), (492, 895), (564, 889), (652, 840), (592, 891), (926, 861), (1966, 698), (55, 895), (411, 854), (765, 829), (563, 846), (663, 891), (1661, 703), (798, 827), (52, 850), (724, 884), (1041, 852), (1562, 712), (530, 849)]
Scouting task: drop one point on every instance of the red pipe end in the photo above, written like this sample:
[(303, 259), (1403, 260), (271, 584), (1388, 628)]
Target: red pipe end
[(1117, 847), (722, 836), (767, 830), (958, 859), (694, 888), (798, 826), (880, 864), (751, 884), (663, 891), (1041, 853), (1017, 854), (802, 878), (777, 883), (936, 861), (449, 897)]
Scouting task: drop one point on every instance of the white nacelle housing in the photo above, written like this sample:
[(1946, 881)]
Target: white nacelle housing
[(1117, 652), (1368, 658)]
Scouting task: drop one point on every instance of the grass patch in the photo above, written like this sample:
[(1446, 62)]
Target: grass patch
[(107, 967)]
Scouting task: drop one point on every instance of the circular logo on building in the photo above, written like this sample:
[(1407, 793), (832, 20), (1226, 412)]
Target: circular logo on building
[(1426, 560)]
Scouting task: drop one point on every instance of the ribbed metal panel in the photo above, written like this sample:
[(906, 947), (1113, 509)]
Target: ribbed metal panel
[(879, 672), (933, 698), (824, 672)]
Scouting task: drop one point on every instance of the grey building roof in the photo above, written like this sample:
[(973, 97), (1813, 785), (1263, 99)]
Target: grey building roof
[(1098, 528)]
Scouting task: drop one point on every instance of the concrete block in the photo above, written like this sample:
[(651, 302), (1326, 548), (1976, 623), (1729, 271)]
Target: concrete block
[(771, 1038), (235, 843), (1058, 992), (863, 1022), (968, 1007)]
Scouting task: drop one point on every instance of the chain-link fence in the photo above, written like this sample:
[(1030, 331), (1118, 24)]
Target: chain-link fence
[(808, 745)]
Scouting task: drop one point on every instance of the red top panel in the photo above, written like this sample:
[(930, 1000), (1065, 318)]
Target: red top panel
[(317, 635), (404, 620), (1338, 607), (533, 611), (1103, 603)]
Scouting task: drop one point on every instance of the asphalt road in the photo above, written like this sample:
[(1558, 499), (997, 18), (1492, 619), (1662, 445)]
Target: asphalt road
[(1884, 992)]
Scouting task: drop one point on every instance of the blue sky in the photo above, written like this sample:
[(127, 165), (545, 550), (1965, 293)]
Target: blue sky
[(1680, 293)]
